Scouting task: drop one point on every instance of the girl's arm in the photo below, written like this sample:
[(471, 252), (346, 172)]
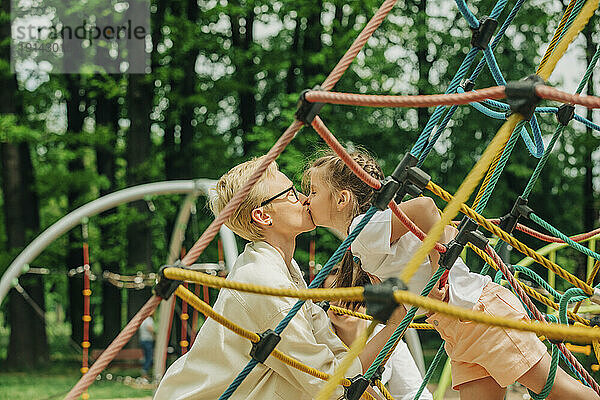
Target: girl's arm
[(424, 213)]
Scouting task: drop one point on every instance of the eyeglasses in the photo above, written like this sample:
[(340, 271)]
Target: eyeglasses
[(291, 191)]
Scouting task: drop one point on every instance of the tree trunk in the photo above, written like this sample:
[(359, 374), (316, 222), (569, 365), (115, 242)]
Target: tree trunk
[(589, 211), (424, 66), (28, 343), (242, 27), (107, 117), (75, 193), (138, 152)]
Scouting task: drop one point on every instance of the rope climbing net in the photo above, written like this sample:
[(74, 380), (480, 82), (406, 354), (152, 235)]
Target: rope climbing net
[(520, 109)]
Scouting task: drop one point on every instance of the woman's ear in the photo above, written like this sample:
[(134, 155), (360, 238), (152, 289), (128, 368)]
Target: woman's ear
[(343, 199), (260, 217)]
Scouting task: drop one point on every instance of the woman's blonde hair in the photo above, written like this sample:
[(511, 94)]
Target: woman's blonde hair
[(230, 183)]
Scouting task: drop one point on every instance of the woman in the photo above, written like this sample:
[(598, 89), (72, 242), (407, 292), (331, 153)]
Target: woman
[(271, 217)]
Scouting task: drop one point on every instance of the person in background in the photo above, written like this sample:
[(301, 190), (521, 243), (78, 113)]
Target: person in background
[(147, 343)]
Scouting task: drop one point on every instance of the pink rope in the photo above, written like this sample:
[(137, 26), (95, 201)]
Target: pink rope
[(369, 100), (111, 351), (357, 45)]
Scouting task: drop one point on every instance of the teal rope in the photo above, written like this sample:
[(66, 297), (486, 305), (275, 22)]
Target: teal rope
[(588, 71), (531, 274), (535, 218), (551, 376), (571, 295), (430, 370), (389, 345), (542, 163)]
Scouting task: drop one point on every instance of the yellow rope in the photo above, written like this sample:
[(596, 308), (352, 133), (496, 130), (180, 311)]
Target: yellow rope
[(355, 349), (351, 313), (383, 390), (580, 21), (557, 32), (530, 291), (348, 294), (462, 195), (553, 331), (209, 312), (513, 242)]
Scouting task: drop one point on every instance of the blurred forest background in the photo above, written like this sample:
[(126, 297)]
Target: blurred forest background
[(224, 82)]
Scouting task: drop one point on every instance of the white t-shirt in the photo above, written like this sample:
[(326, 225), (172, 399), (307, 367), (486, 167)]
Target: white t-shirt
[(384, 260), (146, 329)]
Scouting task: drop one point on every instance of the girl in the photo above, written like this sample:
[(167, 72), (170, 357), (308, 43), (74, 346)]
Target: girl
[(484, 359), (401, 375)]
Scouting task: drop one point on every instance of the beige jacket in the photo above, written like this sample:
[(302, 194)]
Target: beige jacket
[(218, 354)]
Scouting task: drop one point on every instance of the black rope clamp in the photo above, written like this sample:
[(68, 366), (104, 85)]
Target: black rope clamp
[(467, 84), (164, 286), (265, 346), (306, 110), (483, 34), (406, 179), (467, 232), (357, 387), (380, 298), (510, 220), (595, 321), (377, 375), (565, 114), (324, 305), (521, 96)]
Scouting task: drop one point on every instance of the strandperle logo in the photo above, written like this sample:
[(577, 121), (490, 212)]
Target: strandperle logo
[(82, 31), (76, 37)]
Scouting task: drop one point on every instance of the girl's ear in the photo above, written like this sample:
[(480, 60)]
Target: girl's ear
[(343, 199), (260, 217)]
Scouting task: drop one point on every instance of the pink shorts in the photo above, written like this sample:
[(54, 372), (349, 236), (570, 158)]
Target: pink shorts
[(477, 350)]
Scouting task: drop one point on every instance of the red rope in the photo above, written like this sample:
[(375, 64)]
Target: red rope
[(315, 96), (335, 145), (550, 93), (111, 351), (547, 238)]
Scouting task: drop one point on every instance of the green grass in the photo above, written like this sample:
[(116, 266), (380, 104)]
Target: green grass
[(56, 380)]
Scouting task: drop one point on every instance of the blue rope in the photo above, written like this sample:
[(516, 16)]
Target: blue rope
[(437, 113), (316, 282), (467, 14)]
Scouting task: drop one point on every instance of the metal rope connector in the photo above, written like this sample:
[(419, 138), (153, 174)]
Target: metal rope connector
[(307, 111), (357, 387), (407, 178), (467, 233), (510, 220), (380, 299), (265, 346), (483, 34), (521, 96), (165, 287), (565, 114), (467, 84)]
